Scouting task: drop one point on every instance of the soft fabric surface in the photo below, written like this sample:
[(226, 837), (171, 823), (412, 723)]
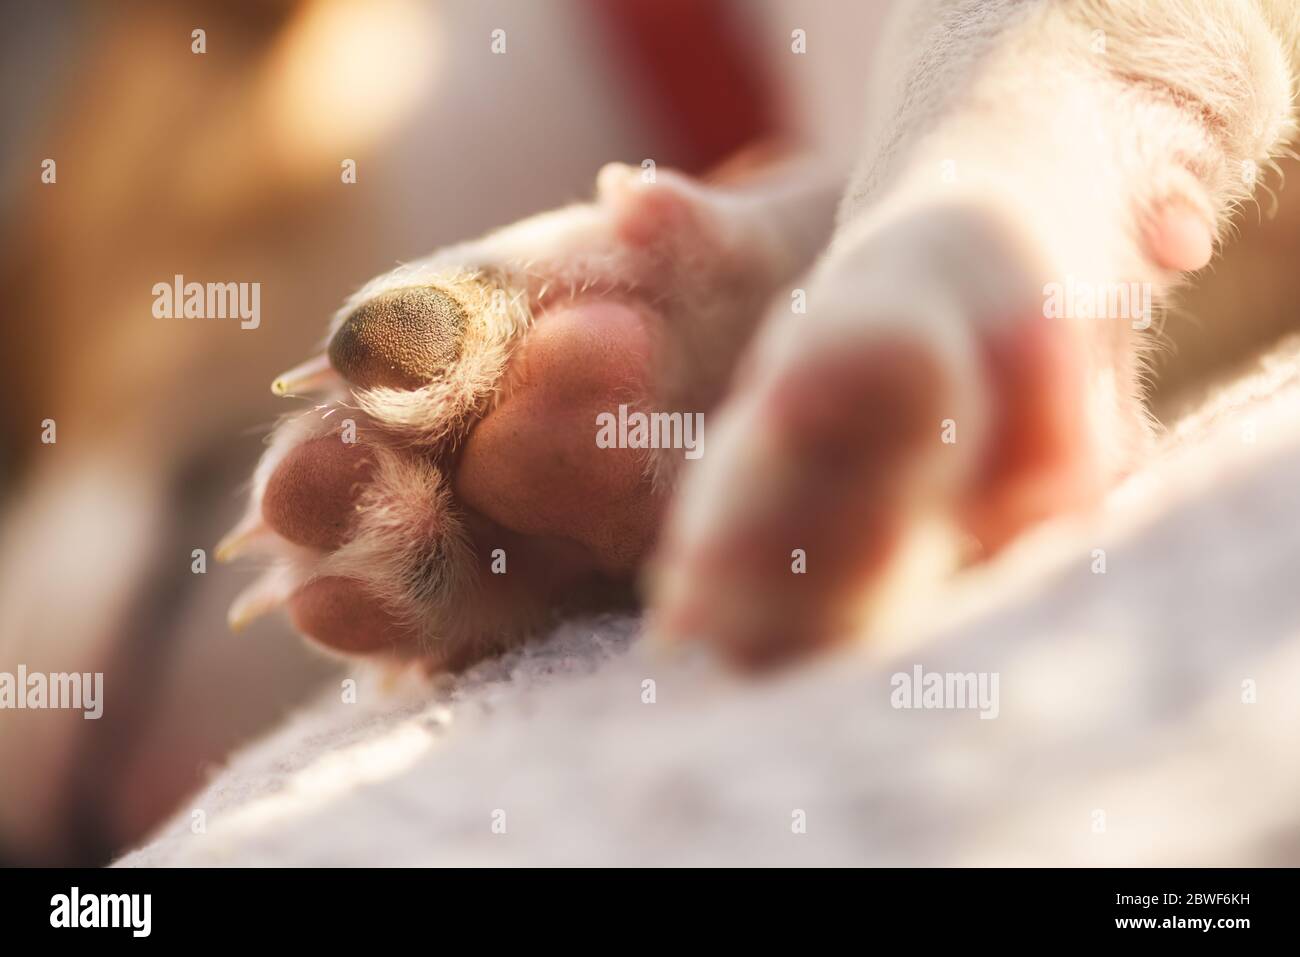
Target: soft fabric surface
[(1122, 735)]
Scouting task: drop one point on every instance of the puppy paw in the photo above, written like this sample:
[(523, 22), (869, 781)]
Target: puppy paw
[(447, 491)]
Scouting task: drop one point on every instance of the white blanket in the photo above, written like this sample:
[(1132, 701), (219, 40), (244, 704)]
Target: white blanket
[(1146, 715)]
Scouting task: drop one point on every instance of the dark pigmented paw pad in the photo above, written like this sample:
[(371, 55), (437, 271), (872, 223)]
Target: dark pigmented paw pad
[(400, 340)]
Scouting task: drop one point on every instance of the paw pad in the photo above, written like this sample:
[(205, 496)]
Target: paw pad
[(402, 339)]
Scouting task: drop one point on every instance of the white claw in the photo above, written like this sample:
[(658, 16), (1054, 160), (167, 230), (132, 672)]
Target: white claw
[(265, 595), (314, 375), (247, 534)]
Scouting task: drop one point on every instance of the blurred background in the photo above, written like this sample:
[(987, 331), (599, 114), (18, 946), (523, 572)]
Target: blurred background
[(226, 166)]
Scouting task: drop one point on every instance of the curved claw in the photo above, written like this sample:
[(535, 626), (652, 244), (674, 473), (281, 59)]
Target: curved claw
[(262, 597), (314, 375), (239, 540)]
